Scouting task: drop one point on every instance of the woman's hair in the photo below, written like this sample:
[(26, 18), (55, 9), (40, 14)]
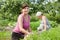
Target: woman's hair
[(25, 5)]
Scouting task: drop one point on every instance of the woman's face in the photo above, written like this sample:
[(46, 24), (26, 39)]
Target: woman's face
[(39, 17), (25, 10)]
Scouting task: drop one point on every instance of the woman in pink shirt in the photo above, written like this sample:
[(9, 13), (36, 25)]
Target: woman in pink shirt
[(23, 24)]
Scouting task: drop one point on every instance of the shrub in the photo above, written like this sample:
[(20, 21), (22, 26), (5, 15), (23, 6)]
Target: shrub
[(12, 24), (52, 18), (57, 17), (34, 25), (4, 22), (53, 24), (33, 18)]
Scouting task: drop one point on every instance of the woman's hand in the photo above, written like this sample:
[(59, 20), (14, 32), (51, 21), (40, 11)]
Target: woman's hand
[(26, 36), (27, 33)]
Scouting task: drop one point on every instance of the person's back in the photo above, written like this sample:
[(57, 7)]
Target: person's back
[(44, 24)]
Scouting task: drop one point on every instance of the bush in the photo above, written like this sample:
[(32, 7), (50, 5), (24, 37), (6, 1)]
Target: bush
[(4, 22), (12, 24), (52, 18), (34, 25), (52, 34), (57, 17), (53, 24), (33, 18)]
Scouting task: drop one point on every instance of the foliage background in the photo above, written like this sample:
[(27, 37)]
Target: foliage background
[(10, 10)]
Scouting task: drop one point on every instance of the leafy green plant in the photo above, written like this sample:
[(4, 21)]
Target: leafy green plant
[(33, 18), (57, 17), (5, 35), (53, 24), (53, 18), (4, 22), (34, 25), (52, 34)]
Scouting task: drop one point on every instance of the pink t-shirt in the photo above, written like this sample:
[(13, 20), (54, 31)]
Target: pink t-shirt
[(25, 24)]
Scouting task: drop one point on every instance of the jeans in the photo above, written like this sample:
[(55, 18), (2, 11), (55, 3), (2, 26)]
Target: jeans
[(17, 36)]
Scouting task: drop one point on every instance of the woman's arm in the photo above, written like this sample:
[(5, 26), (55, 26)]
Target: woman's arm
[(20, 20), (44, 20), (29, 29)]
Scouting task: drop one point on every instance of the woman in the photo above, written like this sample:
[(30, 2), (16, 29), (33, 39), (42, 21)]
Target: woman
[(23, 24), (44, 25)]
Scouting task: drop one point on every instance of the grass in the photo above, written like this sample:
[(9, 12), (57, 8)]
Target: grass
[(6, 35), (52, 34)]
